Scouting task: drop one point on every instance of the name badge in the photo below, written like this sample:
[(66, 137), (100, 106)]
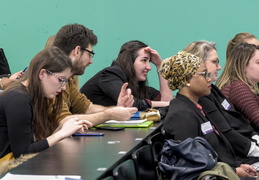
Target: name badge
[(206, 128), (226, 105)]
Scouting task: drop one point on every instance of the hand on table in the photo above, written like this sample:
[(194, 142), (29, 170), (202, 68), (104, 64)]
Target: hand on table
[(122, 113), (73, 125)]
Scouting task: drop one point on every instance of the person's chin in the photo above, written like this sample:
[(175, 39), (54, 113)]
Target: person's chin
[(51, 96), (214, 79), (143, 78), (79, 72), (208, 92)]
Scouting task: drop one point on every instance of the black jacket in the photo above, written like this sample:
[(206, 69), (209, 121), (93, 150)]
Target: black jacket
[(104, 88), (229, 121), (184, 120)]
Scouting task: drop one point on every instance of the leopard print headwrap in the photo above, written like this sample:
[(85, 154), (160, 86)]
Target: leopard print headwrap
[(179, 69)]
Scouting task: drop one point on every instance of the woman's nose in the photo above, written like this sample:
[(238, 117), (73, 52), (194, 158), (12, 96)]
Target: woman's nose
[(148, 66), (219, 67)]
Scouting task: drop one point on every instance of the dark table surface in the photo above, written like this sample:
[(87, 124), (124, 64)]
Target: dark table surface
[(87, 156)]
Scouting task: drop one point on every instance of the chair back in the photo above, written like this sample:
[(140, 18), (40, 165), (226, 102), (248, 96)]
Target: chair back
[(156, 143), (144, 163), (125, 171), (108, 178)]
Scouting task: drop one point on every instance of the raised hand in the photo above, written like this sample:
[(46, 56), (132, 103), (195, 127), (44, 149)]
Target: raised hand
[(125, 98), (155, 57)]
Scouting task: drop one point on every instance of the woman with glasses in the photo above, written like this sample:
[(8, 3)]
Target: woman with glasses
[(132, 65), (26, 126), (220, 110), (238, 81), (185, 118)]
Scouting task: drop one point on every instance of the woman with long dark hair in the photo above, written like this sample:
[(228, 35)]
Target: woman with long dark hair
[(132, 65)]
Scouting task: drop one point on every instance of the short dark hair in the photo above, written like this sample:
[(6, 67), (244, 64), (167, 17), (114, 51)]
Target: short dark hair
[(72, 35)]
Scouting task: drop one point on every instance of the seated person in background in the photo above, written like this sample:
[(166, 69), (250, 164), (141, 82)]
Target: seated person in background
[(6, 81), (77, 42), (243, 37), (50, 41), (238, 81), (221, 111), (26, 126), (6, 78), (185, 117), (4, 65), (132, 65)]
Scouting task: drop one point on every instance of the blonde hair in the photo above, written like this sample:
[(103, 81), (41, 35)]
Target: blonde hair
[(238, 60), (200, 48), (239, 38), (50, 41)]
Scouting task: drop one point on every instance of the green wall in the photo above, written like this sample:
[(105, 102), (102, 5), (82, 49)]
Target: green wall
[(166, 25)]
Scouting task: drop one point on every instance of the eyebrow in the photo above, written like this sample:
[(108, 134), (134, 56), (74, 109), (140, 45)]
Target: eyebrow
[(213, 59), (146, 58)]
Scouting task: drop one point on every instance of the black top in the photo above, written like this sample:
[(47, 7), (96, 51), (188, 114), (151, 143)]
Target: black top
[(16, 127), (4, 66), (229, 121), (104, 88), (184, 119)]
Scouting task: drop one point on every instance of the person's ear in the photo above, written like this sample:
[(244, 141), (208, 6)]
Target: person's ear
[(42, 73), (75, 53), (78, 50)]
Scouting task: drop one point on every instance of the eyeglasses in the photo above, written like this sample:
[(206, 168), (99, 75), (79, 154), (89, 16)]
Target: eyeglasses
[(62, 81), (91, 53), (206, 75)]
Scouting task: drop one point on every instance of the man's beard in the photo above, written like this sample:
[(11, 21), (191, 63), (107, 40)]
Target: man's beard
[(78, 69)]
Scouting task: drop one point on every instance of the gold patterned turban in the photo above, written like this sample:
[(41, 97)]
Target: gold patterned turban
[(179, 69)]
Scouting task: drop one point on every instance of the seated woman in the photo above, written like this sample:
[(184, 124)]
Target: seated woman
[(132, 66), (25, 126), (6, 78), (238, 81), (185, 117), (243, 37), (6, 81), (221, 111)]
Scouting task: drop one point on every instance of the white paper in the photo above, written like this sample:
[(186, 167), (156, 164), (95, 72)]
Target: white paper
[(126, 122), (10, 176)]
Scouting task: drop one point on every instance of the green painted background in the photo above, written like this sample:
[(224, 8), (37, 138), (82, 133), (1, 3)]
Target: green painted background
[(166, 25)]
